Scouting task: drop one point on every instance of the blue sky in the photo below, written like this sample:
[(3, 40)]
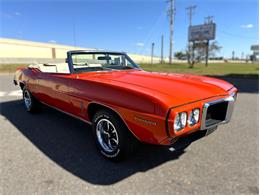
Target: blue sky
[(129, 26)]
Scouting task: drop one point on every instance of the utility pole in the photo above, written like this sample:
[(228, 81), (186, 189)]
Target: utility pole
[(191, 12), (242, 56), (207, 53), (162, 39), (171, 13), (152, 53), (208, 19), (191, 46)]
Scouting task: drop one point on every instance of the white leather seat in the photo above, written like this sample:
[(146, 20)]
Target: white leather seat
[(52, 68)]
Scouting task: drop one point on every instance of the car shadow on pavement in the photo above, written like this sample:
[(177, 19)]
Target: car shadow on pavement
[(244, 83), (69, 143)]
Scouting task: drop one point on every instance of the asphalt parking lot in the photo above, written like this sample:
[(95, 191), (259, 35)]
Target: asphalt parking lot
[(51, 153)]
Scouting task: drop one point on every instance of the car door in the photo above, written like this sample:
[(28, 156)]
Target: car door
[(53, 90), (79, 96)]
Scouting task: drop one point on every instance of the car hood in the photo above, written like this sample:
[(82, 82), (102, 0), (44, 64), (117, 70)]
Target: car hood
[(179, 88)]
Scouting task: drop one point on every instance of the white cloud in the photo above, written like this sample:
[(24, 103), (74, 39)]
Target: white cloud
[(52, 41), (17, 13), (140, 44), (5, 15), (247, 26), (9, 15)]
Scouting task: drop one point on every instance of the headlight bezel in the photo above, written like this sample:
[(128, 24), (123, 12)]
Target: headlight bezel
[(186, 116)]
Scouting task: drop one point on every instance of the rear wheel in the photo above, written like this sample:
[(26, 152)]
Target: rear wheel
[(30, 103), (113, 139)]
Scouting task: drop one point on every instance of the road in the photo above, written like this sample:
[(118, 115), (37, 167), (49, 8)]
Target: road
[(52, 153)]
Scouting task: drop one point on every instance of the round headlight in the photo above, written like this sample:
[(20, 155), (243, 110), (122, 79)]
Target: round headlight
[(180, 121), (177, 123), (194, 117), (183, 119)]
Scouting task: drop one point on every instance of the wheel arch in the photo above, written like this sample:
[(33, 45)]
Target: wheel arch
[(22, 85), (94, 107)]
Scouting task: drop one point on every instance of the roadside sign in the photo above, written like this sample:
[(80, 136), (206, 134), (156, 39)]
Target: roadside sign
[(200, 44), (255, 47), (202, 32)]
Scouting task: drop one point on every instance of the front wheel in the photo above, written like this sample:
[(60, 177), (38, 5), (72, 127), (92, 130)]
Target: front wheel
[(113, 139), (30, 103)]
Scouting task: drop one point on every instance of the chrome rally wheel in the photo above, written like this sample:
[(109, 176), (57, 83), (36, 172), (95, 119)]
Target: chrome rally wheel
[(27, 99), (107, 135), (30, 103), (113, 138)]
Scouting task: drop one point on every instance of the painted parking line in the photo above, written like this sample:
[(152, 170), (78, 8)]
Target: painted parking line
[(2, 93), (15, 93)]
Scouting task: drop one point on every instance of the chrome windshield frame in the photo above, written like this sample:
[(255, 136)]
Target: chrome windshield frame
[(71, 53)]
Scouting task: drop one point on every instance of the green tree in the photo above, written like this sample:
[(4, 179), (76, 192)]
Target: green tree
[(180, 55)]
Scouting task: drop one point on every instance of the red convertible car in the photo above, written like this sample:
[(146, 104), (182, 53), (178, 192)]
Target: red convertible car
[(125, 104)]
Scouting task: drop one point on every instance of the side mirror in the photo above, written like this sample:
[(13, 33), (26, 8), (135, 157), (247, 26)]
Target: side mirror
[(66, 60)]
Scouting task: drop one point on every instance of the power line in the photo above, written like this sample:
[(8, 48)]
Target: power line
[(236, 35), (153, 31)]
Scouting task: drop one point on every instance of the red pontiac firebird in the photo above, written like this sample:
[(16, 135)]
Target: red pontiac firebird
[(125, 104)]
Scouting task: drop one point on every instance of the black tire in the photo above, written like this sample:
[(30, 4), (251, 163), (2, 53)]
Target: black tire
[(127, 143), (31, 106)]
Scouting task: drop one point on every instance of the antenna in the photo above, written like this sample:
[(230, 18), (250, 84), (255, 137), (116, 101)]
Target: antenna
[(74, 34)]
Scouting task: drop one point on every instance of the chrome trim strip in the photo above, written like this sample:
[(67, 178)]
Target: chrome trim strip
[(69, 114), (229, 112)]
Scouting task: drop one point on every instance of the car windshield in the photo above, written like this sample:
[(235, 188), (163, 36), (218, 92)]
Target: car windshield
[(86, 62)]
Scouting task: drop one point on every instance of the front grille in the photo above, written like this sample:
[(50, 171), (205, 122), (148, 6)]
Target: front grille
[(216, 113)]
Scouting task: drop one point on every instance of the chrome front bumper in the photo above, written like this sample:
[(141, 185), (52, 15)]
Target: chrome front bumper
[(230, 100)]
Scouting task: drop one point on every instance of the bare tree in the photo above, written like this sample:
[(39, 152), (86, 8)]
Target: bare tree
[(199, 52)]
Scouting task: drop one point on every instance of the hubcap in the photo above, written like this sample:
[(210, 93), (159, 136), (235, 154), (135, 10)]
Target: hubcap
[(107, 135), (27, 99)]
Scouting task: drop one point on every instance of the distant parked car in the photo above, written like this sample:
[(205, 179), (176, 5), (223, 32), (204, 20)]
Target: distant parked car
[(125, 104)]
